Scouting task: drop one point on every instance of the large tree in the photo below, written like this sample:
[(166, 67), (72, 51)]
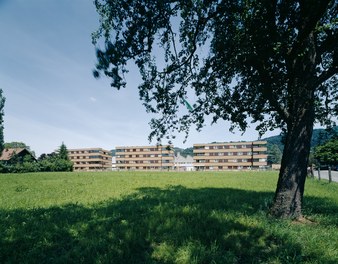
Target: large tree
[(271, 62), (63, 152), (2, 105)]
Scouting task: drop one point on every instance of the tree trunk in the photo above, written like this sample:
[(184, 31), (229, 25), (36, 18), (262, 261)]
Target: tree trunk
[(311, 171), (319, 178), (330, 174), (301, 115), (290, 188)]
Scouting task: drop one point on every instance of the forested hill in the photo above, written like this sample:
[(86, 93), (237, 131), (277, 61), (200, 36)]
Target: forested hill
[(319, 137)]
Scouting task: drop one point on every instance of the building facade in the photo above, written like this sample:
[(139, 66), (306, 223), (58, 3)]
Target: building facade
[(231, 156), (183, 163), (90, 159), (145, 157)]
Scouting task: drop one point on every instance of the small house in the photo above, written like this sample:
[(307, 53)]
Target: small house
[(18, 154)]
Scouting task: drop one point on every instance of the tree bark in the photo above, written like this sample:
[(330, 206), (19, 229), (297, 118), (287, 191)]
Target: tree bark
[(330, 174), (290, 187)]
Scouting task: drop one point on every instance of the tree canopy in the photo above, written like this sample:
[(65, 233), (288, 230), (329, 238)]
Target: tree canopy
[(327, 153), (273, 63), (274, 154), (63, 152), (16, 144), (241, 58)]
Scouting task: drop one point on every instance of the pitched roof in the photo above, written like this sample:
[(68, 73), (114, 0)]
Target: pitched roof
[(8, 153)]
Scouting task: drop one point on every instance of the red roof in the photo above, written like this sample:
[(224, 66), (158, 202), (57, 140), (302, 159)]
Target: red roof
[(8, 153)]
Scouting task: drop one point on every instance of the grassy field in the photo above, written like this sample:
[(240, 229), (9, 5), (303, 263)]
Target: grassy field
[(143, 217)]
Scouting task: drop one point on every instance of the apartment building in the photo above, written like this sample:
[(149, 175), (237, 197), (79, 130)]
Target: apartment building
[(145, 157), (230, 156), (90, 159)]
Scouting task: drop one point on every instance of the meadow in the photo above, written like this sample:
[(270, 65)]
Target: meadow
[(161, 217)]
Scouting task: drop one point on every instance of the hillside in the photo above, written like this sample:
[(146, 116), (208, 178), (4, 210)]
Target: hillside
[(319, 137)]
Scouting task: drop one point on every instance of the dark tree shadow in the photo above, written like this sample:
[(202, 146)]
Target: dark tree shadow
[(326, 208), (172, 225)]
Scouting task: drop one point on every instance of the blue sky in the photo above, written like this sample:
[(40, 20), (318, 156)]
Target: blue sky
[(46, 63)]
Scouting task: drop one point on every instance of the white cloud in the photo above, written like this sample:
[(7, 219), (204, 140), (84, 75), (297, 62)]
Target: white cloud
[(92, 99)]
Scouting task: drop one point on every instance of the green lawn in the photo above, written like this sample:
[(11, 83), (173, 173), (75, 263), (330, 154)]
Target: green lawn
[(167, 217)]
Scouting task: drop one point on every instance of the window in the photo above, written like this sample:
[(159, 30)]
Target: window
[(198, 147)]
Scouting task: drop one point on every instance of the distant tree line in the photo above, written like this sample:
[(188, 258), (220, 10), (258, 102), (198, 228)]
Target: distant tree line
[(56, 161), (184, 152), (275, 144), (326, 156)]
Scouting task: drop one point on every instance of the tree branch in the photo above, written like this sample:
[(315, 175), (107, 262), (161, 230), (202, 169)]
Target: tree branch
[(268, 93), (328, 44), (202, 21), (309, 23), (326, 75)]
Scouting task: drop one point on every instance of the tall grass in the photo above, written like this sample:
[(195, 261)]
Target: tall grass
[(161, 217)]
